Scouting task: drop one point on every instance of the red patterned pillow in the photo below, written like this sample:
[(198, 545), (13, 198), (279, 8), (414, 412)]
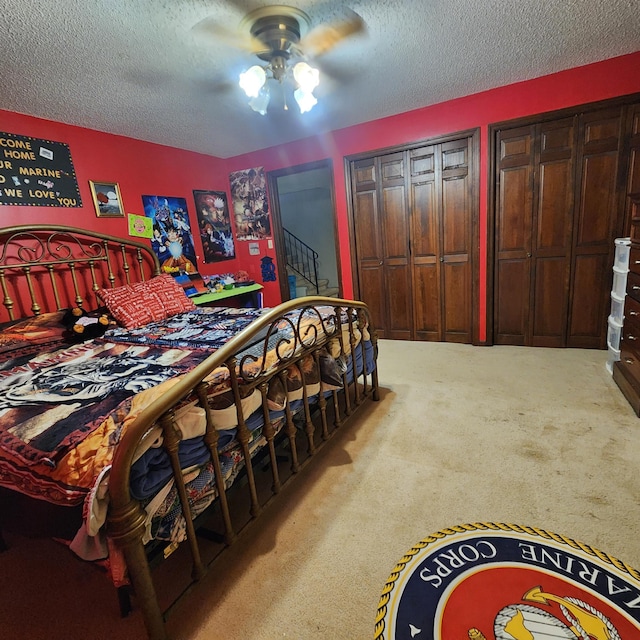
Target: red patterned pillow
[(172, 294), (134, 305)]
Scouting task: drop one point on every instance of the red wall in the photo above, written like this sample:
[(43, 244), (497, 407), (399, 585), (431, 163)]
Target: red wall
[(146, 168), (599, 81), (140, 168)]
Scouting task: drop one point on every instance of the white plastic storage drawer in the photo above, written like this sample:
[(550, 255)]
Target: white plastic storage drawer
[(614, 332), (619, 281), (617, 308), (621, 259), (613, 355)]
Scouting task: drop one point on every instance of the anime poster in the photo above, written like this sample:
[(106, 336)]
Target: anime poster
[(172, 240), (250, 204), (214, 225)]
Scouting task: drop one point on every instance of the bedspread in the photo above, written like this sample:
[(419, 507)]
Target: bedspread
[(62, 414)]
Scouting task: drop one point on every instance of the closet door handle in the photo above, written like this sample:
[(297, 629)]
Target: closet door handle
[(631, 337), (633, 313), (528, 255)]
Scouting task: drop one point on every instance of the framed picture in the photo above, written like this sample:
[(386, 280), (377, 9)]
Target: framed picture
[(107, 199)]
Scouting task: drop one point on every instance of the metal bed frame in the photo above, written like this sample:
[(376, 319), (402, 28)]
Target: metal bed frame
[(45, 268)]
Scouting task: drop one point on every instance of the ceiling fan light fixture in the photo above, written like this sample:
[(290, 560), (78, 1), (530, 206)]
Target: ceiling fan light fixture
[(306, 76), (305, 99), (260, 102), (252, 80)]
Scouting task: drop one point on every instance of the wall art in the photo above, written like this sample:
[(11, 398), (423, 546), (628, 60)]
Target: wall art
[(37, 173), (140, 226), (250, 204), (214, 224), (107, 199), (172, 239)]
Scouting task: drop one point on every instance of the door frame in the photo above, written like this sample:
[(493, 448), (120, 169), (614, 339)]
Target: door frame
[(474, 170), (276, 219)]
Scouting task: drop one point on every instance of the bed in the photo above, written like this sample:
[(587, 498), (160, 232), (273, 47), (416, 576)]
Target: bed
[(123, 439)]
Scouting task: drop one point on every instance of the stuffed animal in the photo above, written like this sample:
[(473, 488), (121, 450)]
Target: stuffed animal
[(82, 325)]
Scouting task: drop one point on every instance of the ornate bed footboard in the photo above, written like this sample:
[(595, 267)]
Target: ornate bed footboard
[(294, 336)]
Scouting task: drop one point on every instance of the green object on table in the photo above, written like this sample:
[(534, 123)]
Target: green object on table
[(213, 296)]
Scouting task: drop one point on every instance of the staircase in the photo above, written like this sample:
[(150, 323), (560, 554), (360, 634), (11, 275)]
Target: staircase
[(302, 263), (304, 288)]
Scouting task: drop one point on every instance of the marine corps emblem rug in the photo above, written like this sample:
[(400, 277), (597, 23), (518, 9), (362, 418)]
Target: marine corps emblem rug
[(492, 581)]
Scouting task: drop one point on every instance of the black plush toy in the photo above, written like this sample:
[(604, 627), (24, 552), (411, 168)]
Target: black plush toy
[(82, 325)]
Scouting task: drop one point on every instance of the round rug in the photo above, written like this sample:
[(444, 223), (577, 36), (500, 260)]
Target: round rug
[(493, 581)]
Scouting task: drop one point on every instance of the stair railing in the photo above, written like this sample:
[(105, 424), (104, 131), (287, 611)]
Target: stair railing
[(301, 258)]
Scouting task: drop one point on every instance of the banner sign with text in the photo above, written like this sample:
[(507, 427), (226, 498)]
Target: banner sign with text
[(36, 173)]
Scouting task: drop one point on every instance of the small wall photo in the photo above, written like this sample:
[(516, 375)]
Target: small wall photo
[(107, 199)]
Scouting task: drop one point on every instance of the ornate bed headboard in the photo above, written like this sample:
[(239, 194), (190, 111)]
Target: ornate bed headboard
[(50, 267)]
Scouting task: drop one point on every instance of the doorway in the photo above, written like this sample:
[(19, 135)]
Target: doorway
[(304, 224)]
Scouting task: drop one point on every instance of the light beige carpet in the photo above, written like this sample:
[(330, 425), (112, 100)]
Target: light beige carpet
[(537, 437)]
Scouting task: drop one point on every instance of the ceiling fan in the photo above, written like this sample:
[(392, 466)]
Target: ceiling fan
[(281, 37)]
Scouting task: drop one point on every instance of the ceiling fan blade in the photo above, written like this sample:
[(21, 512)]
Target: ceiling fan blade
[(215, 32), (325, 37)]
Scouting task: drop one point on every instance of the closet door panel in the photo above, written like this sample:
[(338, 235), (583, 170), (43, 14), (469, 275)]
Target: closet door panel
[(368, 241), (426, 301), (372, 292), (456, 242), (457, 308), (632, 195), (398, 302), (424, 215), (512, 303), (425, 251), (395, 234), (589, 312), (395, 227), (554, 212), (455, 219), (514, 220), (597, 198), (553, 224), (514, 212), (595, 220), (550, 294)]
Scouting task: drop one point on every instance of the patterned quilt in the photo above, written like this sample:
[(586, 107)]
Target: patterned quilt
[(62, 414), (203, 328)]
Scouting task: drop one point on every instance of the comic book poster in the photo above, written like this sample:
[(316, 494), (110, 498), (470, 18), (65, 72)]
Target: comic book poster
[(250, 204), (172, 239), (214, 225)]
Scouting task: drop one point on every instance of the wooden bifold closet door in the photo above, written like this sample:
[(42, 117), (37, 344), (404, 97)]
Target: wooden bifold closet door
[(413, 220), (557, 213)]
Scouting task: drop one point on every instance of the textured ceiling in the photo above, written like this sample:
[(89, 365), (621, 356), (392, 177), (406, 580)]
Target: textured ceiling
[(138, 68)]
